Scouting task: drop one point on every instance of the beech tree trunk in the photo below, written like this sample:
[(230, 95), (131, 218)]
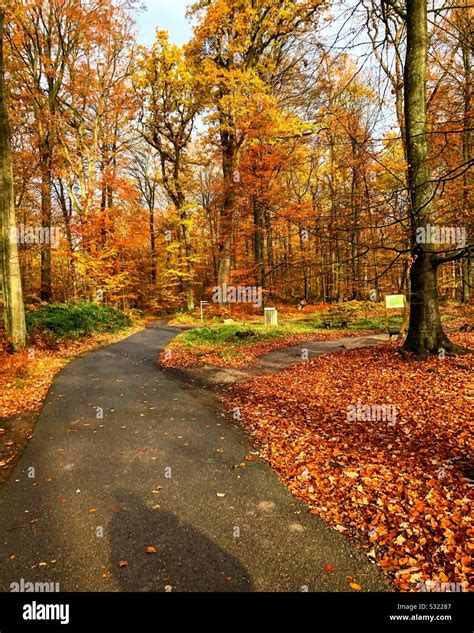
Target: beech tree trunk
[(467, 265), (425, 333), (229, 164), (189, 267), (258, 241), (46, 293), (151, 216), (14, 314)]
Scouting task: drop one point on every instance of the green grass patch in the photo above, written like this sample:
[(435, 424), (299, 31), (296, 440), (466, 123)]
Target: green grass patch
[(241, 334), (356, 323), (72, 320), (229, 340)]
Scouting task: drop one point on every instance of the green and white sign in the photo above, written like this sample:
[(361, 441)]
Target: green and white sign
[(394, 301)]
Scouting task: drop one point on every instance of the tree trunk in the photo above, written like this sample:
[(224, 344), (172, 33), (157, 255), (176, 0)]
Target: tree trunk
[(229, 171), (304, 266), (46, 292), (14, 314), (151, 212), (67, 215), (467, 264), (189, 267), (258, 242), (425, 333), (268, 230), (467, 280)]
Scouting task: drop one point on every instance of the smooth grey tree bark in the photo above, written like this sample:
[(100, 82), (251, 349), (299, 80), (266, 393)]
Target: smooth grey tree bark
[(14, 313)]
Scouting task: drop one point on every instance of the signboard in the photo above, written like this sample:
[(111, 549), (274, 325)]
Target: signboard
[(394, 301)]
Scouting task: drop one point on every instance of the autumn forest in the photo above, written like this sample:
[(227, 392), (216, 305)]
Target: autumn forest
[(261, 152), (274, 181)]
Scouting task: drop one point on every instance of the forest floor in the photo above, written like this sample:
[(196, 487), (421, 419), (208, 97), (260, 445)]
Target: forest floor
[(225, 342), (158, 493), (401, 487), (240, 353), (397, 477)]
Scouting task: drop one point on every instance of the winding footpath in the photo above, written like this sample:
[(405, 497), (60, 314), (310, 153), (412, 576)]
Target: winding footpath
[(125, 457)]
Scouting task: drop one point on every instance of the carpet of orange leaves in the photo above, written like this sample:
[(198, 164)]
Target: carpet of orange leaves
[(403, 491)]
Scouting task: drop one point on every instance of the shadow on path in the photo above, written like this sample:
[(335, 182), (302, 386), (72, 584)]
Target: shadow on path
[(185, 559)]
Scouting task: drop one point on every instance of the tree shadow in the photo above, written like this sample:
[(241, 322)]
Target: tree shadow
[(185, 559)]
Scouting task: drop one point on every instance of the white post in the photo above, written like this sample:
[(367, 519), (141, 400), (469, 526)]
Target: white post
[(202, 303), (270, 316)]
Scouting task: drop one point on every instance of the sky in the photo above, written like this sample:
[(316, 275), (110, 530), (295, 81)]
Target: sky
[(168, 15)]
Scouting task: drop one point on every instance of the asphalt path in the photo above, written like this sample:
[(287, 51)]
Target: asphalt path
[(126, 458)]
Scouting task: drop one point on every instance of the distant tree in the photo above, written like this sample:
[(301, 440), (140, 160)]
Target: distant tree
[(238, 45), (172, 99), (144, 169)]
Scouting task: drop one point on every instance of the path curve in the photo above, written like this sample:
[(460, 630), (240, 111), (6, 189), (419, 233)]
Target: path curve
[(125, 457)]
